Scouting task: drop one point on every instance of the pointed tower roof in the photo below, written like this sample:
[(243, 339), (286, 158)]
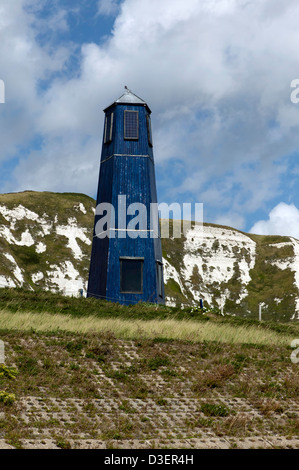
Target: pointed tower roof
[(128, 97)]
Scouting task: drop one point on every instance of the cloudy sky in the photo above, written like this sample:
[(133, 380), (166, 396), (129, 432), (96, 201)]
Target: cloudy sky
[(216, 74)]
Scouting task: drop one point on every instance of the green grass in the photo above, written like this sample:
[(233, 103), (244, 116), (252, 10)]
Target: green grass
[(7, 398), (210, 409), (185, 330), (44, 311), (63, 365)]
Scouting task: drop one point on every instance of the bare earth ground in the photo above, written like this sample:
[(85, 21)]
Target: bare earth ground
[(100, 392)]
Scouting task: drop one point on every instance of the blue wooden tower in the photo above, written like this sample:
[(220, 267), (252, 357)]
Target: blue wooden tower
[(126, 259)]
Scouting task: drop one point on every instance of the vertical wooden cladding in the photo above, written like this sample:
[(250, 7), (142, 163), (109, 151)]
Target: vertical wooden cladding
[(127, 169), (100, 247)]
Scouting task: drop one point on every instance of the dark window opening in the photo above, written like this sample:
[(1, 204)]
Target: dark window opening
[(131, 125), (108, 128), (131, 275), (149, 130), (160, 279)]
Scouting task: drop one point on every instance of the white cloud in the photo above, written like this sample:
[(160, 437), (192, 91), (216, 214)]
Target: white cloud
[(282, 220), (214, 72), (107, 7), (24, 63), (61, 165), (231, 219)]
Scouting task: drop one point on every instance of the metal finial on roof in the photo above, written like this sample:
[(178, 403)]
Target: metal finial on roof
[(129, 97)]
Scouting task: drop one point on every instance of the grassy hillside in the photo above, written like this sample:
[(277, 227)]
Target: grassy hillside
[(272, 278), (86, 373), (45, 311), (45, 243), (53, 210), (269, 284)]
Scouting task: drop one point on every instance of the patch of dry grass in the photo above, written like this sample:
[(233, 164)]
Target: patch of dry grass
[(182, 330), (214, 377)]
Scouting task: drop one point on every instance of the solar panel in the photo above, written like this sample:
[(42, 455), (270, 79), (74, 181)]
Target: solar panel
[(131, 125)]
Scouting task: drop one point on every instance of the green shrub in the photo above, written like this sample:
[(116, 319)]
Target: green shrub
[(63, 444), (9, 372), (7, 398), (209, 409), (29, 365), (155, 362)]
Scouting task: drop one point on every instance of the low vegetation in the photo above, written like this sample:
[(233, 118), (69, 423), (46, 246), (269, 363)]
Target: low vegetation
[(45, 311), (142, 375)]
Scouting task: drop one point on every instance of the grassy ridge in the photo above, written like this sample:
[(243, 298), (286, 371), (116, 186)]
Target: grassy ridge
[(182, 330), (45, 311)]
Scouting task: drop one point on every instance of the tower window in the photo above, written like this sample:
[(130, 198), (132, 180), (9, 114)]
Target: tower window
[(108, 128), (131, 125), (149, 130), (159, 278), (131, 275)]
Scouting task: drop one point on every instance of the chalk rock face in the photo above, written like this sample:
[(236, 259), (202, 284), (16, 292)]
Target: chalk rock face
[(45, 243), (224, 254), (233, 272)]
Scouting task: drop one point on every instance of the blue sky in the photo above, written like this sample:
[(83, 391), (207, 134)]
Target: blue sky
[(216, 74)]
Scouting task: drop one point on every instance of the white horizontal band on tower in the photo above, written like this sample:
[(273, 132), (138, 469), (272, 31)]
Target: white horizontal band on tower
[(127, 230), (124, 155)]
